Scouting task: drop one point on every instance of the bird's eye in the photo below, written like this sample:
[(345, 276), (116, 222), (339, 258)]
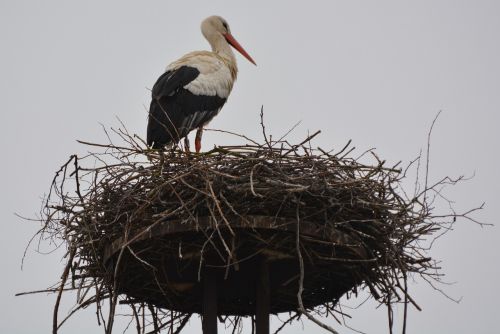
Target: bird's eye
[(224, 24)]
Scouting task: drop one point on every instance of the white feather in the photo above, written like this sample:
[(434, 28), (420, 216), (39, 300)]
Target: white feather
[(215, 75)]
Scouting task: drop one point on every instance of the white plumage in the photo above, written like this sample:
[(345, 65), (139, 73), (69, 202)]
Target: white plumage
[(215, 76)]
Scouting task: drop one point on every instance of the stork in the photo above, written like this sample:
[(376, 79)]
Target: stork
[(194, 88)]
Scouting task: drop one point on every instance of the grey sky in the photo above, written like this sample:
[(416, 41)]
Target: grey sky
[(376, 72)]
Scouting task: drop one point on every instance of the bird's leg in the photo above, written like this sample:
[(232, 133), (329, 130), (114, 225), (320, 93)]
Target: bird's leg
[(186, 144), (197, 140)]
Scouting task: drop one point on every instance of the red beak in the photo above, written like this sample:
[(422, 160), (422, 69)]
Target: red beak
[(234, 43)]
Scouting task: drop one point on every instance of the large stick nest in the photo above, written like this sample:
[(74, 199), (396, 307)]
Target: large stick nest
[(141, 226)]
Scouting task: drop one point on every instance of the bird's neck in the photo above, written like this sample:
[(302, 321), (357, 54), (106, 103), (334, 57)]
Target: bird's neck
[(222, 48)]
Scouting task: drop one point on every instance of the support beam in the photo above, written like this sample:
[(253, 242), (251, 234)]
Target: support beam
[(263, 300), (209, 306)]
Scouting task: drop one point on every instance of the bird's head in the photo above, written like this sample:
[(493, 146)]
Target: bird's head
[(213, 27)]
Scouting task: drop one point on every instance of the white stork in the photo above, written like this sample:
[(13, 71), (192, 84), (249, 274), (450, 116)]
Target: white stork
[(194, 88)]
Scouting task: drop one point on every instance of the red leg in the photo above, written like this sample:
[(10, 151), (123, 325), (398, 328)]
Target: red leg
[(197, 140)]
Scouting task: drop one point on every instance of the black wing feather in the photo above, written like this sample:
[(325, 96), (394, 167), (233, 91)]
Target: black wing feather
[(175, 111)]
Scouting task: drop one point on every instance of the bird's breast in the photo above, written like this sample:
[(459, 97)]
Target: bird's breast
[(211, 84), (215, 78)]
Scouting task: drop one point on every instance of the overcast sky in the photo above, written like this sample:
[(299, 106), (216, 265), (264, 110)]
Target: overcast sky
[(376, 72)]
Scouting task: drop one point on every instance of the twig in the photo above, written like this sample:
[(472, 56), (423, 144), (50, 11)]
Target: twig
[(301, 281), (61, 288)]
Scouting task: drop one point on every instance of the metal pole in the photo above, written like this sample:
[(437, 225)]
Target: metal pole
[(263, 300), (209, 306)]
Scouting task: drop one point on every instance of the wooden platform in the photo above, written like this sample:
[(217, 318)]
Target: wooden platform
[(166, 265)]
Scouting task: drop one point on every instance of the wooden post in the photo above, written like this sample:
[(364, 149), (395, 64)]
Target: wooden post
[(209, 306), (263, 300)]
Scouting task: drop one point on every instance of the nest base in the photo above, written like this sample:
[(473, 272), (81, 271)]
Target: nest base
[(166, 266)]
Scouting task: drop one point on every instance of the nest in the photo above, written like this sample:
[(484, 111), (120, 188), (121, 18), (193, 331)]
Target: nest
[(141, 226)]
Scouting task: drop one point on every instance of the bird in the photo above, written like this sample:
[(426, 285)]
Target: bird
[(193, 89)]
